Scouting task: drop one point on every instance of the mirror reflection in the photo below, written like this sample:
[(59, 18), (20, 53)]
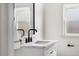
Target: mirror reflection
[(23, 17)]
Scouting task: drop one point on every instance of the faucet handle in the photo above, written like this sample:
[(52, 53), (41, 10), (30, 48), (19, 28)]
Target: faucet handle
[(26, 40), (29, 39)]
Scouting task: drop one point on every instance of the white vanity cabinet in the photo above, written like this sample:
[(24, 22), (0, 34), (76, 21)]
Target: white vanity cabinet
[(36, 51)]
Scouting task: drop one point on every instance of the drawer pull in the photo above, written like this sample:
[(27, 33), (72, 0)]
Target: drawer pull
[(51, 52)]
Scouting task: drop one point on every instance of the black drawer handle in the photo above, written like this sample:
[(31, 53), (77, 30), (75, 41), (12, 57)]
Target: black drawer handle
[(69, 45)]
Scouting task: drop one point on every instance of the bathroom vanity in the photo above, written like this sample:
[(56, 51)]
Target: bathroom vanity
[(25, 15), (38, 48)]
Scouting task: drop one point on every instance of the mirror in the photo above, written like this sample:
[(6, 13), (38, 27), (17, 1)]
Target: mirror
[(24, 17), (71, 19)]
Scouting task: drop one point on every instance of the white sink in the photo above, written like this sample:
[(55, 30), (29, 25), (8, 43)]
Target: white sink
[(42, 42)]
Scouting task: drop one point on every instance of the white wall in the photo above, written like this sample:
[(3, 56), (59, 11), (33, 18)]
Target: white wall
[(39, 20), (54, 30)]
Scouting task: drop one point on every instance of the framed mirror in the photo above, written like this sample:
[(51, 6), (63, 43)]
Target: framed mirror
[(24, 17), (71, 19)]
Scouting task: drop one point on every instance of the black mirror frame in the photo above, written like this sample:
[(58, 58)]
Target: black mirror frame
[(33, 17)]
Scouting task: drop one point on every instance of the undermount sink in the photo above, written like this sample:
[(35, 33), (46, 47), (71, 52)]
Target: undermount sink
[(42, 42)]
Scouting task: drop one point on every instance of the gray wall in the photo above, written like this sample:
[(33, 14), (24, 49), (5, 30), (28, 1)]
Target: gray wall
[(0, 29), (54, 30), (4, 29)]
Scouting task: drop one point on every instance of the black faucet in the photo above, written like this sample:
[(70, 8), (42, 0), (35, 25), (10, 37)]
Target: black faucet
[(22, 31), (29, 39)]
